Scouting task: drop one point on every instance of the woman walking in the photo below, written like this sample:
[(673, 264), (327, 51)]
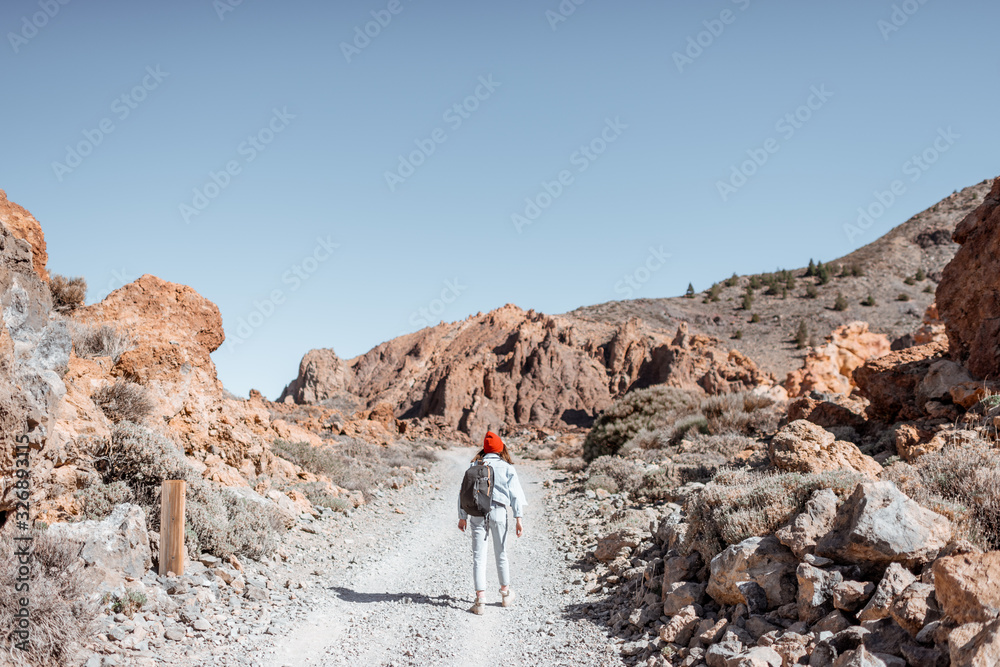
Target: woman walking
[(506, 491)]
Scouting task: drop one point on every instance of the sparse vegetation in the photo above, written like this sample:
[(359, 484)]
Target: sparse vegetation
[(869, 301), (903, 296), (738, 504), (689, 293), (738, 334), (642, 409), (929, 289), (755, 318), (811, 269), (841, 303), (713, 293), (811, 292), (823, 274), (123, 401), (68, 294), (219, 521), (103, 341), (732, 281), (961, 482), (747, 300), (921, 275), (128, 603), (60, 615), (909, 281)]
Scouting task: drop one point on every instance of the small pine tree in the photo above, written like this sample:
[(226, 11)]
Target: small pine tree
[(738, 334), (811, 270), (755, 318), (812, 292), (712, 295), (841, 303), (689, 294), (732, 281), (869, 302), (823, 273), (921, 276), (845, 271), (790, 280), (903, 296), (747, 300), (784, 292), (754, 282), (929, 289), (909, 281), (801, 335), (857, 271)]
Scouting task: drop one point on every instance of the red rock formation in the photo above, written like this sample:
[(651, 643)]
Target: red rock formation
[(890, 382), (968, 297), (510, 367), (829, 368), (24, 226)]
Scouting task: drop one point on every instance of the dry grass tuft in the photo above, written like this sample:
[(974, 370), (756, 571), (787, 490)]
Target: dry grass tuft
[(103, 341), (68, 294), (123, 401), (60, 619)]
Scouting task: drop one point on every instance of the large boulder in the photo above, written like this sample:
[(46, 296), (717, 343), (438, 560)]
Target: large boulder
[(812, 523), (615, 544), (802, 446), (894, 581), (968, 296), (890, 382), (968, 586), (878, 525), (112, 548), (756, 566)]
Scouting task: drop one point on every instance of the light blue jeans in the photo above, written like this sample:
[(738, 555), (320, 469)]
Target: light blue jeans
[(498, 526)]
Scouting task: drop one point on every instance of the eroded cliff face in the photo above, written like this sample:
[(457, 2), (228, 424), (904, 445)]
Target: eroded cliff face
[(512, 367), (968, 298)]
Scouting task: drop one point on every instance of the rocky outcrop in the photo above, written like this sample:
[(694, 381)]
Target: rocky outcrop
[(968, 586), (968, 297), (511, 367), (802, 446), (23, 225), (890, 382), (322, 376), (113, 548), (830, 367)]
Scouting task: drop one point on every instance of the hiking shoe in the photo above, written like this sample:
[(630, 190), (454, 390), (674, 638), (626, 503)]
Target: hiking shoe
[(478, 607), (507, 598)]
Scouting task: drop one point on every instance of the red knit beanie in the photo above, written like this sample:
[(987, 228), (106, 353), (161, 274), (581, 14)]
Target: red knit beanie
[(492, 444)]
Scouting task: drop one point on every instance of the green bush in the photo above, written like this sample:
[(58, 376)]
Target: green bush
[(649, 409), (869, 302), (841, 303), (903, 296), (738, 504)]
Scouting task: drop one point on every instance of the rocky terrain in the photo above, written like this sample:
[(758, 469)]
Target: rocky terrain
[(684, 507)]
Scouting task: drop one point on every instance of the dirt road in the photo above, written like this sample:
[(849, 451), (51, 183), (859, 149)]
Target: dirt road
[(403, 596)]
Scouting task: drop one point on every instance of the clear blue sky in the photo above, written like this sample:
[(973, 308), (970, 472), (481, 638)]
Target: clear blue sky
[(554, 86)]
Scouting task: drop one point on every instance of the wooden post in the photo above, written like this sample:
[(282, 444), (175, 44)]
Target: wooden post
[(172, 527)]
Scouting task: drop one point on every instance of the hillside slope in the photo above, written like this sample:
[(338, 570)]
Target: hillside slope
[(921, 243)]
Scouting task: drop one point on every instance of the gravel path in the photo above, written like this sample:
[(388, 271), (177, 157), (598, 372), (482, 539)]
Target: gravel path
[(399, 593)]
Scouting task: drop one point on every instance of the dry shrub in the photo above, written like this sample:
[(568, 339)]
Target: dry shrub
[(318, 495), (60, 617), (960, 482), (123, 401), (569, 463), (738, 504), (605, 482), (68, 294), (627, 474), (643, 409), (218, 521), (744, 413), (357, 465), (655, 482), (98, 501), (102, 341)]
